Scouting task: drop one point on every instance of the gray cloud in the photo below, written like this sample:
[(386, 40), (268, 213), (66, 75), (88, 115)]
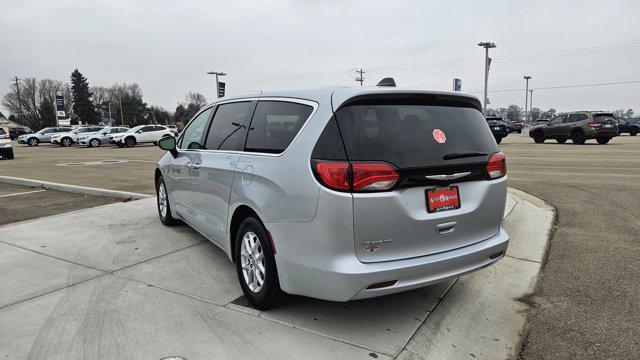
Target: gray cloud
[(167, 46)]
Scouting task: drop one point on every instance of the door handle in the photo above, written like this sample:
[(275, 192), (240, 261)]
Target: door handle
[(446, 228)]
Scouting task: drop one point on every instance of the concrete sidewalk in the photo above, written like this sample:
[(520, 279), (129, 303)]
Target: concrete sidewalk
[(112, 282)]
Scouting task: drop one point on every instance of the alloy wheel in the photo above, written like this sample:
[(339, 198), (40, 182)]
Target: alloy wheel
[(252, 262), (162, 200), (94, 143)]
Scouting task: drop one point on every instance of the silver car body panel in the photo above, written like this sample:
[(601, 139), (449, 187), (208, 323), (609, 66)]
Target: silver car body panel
[(317, 231)]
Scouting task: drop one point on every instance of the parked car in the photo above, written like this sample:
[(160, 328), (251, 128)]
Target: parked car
[(140, 134), (515, 127), (97, 138), (43, 135), (6, 148), (625, 126), (541, 121), (71, 137), (498, 128), (578, 126), (14, 133), (392, 191), (173, 129)]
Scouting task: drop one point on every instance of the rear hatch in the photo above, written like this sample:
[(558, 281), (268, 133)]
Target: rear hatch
[(434, 142), (604, 121)]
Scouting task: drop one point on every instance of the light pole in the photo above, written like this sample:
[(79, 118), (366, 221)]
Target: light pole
[(216, 73), (530, 100), (526, 97), (487, 62)]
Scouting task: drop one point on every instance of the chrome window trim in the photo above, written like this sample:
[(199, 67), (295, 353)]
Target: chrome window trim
[(311, 103)]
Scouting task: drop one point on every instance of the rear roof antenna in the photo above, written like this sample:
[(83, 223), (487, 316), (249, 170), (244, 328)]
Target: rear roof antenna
[(387, 82)]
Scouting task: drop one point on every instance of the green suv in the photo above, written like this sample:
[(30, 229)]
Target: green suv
[(579, 126)]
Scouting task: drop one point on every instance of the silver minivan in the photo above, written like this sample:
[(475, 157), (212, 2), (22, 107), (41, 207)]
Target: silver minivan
[(339, 193)]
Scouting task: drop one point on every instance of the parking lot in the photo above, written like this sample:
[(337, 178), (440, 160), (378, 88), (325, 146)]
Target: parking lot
[(119, 285)]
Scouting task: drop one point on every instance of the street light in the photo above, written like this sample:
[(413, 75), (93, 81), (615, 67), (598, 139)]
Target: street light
[(487, 62), (526, 97), (216, 73)]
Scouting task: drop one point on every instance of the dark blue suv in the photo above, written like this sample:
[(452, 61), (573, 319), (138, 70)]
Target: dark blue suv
[(499, 128), (624, 126)]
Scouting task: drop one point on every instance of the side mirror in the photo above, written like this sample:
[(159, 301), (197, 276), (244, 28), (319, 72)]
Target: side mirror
[(139, 132), (169, 144)]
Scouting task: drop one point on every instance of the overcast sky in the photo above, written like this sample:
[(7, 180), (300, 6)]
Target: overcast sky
[(168, 46)]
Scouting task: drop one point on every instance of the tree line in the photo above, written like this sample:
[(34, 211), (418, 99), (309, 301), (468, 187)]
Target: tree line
[(33, 104), (515, 113)]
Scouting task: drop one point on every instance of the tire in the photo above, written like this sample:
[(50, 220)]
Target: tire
[(164, 208), (538, 138), (498, 140), (130, 142), (8, 155), (33, 141), (64, 142), (633, 132), (561, 140), (519, 131), (578, 138), (94, 143), (252, 235), (603, 140)]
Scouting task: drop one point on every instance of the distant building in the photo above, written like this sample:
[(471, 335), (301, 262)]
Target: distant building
[(7, 124)]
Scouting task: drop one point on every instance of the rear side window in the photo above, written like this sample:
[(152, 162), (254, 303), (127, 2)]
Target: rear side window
[(577, 117), (229, 126), (414, 136), (275, 124), (2, 131)]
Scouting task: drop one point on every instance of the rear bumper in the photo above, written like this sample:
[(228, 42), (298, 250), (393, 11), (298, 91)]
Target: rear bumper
[(347, 278), (594, 133)]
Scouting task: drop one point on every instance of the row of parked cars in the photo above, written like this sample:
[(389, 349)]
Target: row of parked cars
[(580, 126), (94, 136)]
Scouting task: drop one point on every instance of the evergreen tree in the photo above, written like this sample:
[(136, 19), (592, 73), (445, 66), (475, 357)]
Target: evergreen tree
[(47, 113), (83, 108)]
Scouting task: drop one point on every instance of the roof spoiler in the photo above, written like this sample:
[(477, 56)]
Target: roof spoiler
[(387, 82)]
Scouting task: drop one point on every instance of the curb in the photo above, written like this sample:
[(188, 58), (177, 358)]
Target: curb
[(484, 314), (73, 188)]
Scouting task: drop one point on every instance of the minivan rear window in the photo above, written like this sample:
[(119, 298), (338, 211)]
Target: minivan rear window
[(415, 136)]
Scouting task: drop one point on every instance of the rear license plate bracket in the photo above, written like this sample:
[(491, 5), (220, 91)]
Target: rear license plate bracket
[(442, 199)]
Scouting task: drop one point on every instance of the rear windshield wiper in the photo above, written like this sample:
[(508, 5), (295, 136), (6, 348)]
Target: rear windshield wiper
[(460, 155)]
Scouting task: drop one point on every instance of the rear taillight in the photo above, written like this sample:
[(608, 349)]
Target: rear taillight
[(593, 122), (334, 174), (373, 176), (4, 137), (344, 176), (497, 166)]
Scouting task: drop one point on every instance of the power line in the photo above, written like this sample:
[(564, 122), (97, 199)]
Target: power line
[(565, 86)]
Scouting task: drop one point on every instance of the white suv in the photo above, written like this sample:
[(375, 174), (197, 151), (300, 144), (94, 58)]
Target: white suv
[(140, 134), (6, 149), (71, 137)]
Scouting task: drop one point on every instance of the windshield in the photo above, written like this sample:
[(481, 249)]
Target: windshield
[(411, 136)]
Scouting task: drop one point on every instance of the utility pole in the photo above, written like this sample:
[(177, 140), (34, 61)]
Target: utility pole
[(15, 78), (121, 116), (530, 100), (216, 73), (526, 97), (360, 76), (487, 63)]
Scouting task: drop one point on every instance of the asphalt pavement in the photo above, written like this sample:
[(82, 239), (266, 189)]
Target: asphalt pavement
[(586, 305)]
